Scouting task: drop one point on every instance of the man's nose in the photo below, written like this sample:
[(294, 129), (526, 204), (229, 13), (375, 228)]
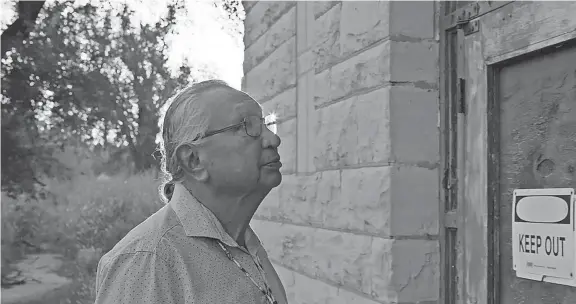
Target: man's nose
[(270, 139)]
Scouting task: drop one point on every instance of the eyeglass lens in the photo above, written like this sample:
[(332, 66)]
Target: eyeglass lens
[(254, 126)]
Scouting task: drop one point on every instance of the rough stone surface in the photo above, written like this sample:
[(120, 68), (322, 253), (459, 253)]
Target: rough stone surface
[(299, 200), (383, 269), (348, 28), (353, 132), (360, 263), (414, 61), (414, 125), (322, 88), (357, 229), (364, 203), (261, 17), (416, 22), (366, 70), (302, 289), (279, 33), (362, 23), (329, 200), (416, 273), (306, 62), (321, 7), (414, 196), (327, 38), (275, 74), (283, 105), (287, 149), (374, 200)]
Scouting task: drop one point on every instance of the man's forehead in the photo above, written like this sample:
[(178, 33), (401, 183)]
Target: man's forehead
[(229, 102)]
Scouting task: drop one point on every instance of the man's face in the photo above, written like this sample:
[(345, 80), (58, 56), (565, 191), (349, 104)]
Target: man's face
[(236, 162)]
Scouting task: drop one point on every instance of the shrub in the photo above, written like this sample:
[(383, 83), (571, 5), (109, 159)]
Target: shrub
[(80, 216), (98, 213)]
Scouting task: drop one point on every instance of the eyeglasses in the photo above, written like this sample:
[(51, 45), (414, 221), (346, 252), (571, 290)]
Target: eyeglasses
[(252, 126)]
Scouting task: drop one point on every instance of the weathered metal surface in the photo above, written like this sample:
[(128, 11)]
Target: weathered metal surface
[(525, 23), (537, 100), (500, 29), (476, 202)]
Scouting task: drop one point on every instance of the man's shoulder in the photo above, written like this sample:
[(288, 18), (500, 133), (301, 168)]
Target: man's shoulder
[(149, 237)]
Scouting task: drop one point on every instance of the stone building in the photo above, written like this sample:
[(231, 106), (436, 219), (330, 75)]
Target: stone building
[(404, 127)]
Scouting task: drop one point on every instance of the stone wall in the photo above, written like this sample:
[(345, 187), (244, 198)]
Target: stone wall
[(355, 85)]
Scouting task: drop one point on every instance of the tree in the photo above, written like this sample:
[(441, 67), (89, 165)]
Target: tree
[(86, 72), (22, 156), (18, 31)]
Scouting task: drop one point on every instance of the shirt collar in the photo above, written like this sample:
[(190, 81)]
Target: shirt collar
[(199, 221)]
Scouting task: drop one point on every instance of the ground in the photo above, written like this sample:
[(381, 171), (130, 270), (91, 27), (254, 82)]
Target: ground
[(49, 279)]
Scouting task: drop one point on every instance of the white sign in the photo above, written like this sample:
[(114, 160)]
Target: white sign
[(543, 237)]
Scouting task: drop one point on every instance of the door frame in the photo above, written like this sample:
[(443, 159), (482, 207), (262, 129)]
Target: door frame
[(453, 16)]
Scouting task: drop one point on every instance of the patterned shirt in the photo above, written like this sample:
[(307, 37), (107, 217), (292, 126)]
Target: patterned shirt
[(174, 257)]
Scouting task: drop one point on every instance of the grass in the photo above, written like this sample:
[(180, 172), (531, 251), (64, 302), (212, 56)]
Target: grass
[(78, 215)]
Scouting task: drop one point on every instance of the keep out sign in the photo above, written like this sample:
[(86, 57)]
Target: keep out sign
[(543, 232)]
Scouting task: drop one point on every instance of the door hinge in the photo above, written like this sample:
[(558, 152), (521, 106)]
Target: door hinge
[(467, 26), (461, 97)]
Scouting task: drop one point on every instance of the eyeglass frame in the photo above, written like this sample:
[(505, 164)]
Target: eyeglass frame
[(243, 123)]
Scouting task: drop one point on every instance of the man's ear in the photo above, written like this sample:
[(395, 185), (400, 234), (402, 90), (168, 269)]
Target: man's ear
[(188, 158)]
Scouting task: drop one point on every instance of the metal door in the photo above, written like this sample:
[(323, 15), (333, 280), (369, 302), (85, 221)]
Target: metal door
[(509, 118)]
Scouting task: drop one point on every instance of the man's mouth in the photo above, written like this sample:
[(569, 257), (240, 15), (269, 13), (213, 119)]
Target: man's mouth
[(274, 164)]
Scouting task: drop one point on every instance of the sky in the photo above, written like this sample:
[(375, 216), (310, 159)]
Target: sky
[(204, 35)]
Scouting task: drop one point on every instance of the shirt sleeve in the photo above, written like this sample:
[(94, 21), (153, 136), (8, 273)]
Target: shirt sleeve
[(141, 277)]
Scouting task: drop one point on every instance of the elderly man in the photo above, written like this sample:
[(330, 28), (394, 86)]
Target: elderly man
[(222, 159)]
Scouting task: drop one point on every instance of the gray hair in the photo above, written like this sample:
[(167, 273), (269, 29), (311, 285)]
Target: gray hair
[(184, 123)]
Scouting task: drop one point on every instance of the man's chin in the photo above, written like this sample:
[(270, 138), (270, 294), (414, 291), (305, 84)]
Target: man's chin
[(272, 180)]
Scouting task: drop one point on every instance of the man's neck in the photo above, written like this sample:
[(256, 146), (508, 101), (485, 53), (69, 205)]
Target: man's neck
[(234, 213)]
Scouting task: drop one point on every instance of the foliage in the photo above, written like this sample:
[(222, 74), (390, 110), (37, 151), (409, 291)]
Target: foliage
[(82, 213), (86, 72)]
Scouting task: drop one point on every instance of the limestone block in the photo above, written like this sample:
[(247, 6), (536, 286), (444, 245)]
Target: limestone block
[(298, 198), (358, 262), (414, 61), (321, 7), (275, 74), (416, 271), (261, 17), (279, 33), (327, 39), (414, 196), (287, 149), (414, 125), (283, 105), (365, 203), (366, 70), (396, 200), (354, 131), (353, 200), (362, 24), (303, 289), (412, 19), (322, 88), (306, 62)]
